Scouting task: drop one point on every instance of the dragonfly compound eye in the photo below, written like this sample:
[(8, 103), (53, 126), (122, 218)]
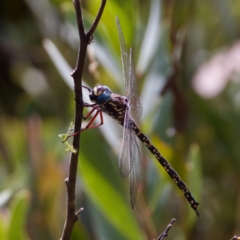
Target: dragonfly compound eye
[(100, 94)]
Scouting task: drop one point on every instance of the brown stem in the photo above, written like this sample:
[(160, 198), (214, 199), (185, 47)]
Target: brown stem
[(95, 23), (72, 215), (164, 234), (235, 238)]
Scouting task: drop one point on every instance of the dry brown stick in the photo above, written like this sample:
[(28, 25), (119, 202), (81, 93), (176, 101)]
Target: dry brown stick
[(165, 232), (85, 39), (235, 238)]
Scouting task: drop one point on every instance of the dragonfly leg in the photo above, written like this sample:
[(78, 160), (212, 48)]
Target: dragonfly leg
[(90, 113), (89, 105), (94, 117), (89, 125)]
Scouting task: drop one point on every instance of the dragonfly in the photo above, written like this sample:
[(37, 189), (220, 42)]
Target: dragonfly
[(126, 110)]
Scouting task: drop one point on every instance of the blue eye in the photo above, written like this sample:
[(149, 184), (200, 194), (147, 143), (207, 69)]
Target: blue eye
[(102, 94)]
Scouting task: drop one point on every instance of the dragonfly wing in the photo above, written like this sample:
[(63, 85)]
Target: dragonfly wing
[(134, 101), (124, 55), (129, 76), (136, 168), (124, 158), (130, 159)]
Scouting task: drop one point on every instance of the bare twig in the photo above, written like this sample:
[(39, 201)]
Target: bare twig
[(235, 238), (95, 23), (85, 39), (165, 232)]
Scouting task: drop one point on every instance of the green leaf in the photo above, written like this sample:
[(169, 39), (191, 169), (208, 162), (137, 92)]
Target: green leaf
[(19, 210), (194, 178), (102, 184), (3, 228), (151, 38), (106, 197)]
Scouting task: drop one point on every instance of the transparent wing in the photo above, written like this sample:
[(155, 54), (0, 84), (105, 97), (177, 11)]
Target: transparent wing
[(130, 158), (124, 158), (135, 168), (124, 55), (133, 97), (129, 76)]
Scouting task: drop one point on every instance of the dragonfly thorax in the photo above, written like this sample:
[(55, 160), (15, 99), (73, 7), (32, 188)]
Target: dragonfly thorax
[(100, 94)]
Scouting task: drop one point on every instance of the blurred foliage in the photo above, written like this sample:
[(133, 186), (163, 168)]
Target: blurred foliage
[(197, 133)]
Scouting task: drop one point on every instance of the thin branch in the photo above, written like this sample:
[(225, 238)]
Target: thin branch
[(79, 19), (79, 211), (95, 23), (235, 238), (72, 214), (165, 232)]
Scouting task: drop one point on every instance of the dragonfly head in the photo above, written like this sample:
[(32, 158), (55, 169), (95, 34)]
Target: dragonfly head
[(100, 94)]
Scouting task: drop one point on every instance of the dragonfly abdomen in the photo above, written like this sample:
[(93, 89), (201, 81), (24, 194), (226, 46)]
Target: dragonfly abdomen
[(171, 172)]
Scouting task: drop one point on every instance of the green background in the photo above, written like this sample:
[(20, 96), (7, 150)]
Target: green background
[(195, 126)]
